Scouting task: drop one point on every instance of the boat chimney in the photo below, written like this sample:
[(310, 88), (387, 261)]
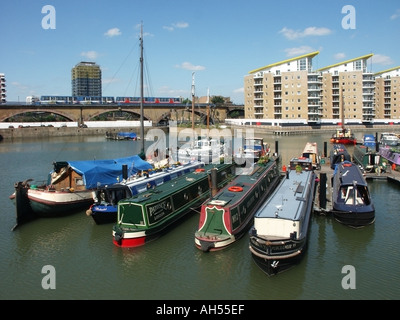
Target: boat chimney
[(124, 171), (214, 188)]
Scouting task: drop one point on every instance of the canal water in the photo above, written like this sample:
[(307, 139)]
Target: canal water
[(89, 266)]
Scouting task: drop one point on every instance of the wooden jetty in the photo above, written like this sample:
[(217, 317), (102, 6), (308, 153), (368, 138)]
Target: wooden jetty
[(323, 194)]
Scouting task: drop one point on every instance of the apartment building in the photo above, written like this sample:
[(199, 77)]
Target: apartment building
[(291, 89), (387, 94), (86, 79), (348, 86), (287, 89), (2, 88)]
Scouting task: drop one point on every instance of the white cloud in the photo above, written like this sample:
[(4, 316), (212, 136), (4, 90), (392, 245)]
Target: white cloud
[(395, 15), (189, 66), (239, 90), (381, 59), (339, 56), (112, 32), (181, 25), (178, 25), (92, 55), (292, 52), (310, 31)]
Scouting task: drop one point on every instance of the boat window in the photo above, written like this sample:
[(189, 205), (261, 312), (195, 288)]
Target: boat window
[(131, 214), (362, 195)]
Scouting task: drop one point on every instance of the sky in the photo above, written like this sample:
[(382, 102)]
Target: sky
[(213, 42)]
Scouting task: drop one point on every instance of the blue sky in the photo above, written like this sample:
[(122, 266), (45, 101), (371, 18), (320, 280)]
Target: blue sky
[(219, 40)]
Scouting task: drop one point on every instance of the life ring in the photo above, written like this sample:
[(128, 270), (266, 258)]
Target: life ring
[(200, 170), (235, 189)]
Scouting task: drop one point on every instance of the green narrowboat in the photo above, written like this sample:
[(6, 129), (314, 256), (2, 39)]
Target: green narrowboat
[(146, 216)]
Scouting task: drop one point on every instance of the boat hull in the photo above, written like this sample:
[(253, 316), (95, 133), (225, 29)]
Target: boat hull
[(355, 219), (269, 257), (344, 141)]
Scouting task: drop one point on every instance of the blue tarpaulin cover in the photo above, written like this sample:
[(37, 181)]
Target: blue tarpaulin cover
[(102, 172), (127, 135)]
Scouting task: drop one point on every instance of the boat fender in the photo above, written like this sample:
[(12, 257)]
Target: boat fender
[(117, 237), (378, 170), (235, 189)]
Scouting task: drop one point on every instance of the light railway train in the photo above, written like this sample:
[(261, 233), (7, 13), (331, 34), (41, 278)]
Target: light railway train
[(102, 100)]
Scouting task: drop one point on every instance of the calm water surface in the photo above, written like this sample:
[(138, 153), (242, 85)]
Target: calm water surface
[(89, 266)]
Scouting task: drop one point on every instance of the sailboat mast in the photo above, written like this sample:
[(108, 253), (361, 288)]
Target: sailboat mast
[(141, 93), (342, 110), (192, 102)]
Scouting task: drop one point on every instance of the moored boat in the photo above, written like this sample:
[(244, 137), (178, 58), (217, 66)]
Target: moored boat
[(146, 216), (253, 149), (338, 154), (344, 136), (369, 140), (391, 154), (105, 206), (227, 215), (311, 151), (122, 136), (203, 150), (278, 237), (389, 139), (351, 200), (69, 186), (369, 159)]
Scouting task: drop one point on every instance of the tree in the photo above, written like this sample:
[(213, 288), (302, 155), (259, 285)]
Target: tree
[(218, 100)]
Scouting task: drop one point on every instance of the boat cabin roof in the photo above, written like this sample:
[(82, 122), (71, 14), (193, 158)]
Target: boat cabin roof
[(244, 183), (288, 198), (349, 174)]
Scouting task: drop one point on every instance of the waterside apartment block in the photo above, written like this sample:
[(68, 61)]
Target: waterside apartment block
[(350, 84), (387, 94), (291, 89), (287, 89), (2, 88)]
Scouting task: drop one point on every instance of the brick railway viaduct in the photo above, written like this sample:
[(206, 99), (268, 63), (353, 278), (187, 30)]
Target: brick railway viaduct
[(153, 112)]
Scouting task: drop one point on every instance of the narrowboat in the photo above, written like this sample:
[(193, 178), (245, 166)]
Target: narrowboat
[(69, 186), (369, 159), (105, 206), (146, 216), (391, 154), (311, 151), (351, 201), (227, 215), (338, 154), (278, 237)]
